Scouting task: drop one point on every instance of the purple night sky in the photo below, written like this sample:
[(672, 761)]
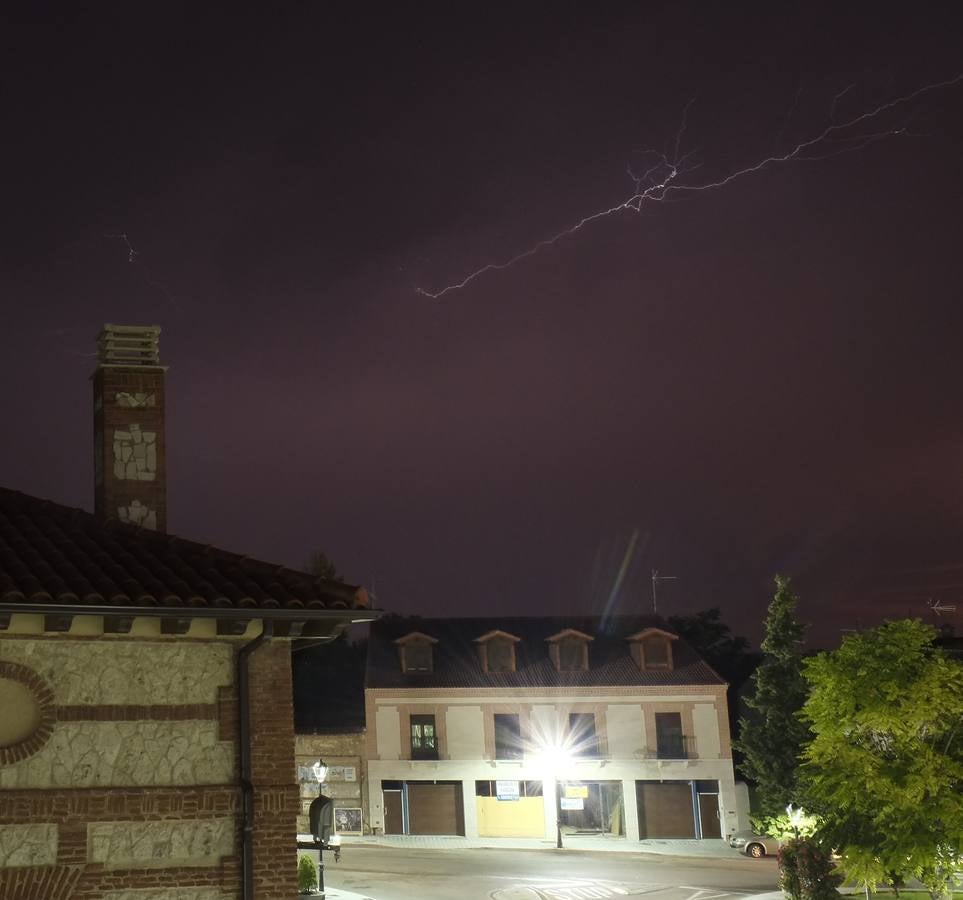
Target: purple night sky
[(760, 378)]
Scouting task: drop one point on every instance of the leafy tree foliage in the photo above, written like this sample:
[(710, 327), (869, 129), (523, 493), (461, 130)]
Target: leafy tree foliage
[(320, 565), (885, 765), (714, 642), (773, 735), (329, 685)]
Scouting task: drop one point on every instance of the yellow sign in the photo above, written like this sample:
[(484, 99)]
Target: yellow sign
[(576, 792)]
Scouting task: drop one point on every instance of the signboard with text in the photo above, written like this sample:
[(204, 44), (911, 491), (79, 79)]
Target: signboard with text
[(572, 803), (306, 774), (506, 790)]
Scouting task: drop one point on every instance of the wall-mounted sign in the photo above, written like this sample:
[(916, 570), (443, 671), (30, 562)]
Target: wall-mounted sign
[(576, 792), (506, 790), (347, 820), (306, 774), (573, 803)]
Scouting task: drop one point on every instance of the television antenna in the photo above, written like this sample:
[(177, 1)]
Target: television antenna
[(656, 578), (939, 607)]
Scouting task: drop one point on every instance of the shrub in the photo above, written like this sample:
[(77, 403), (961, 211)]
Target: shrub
[(806, 872), (307, 874), (789, 870)]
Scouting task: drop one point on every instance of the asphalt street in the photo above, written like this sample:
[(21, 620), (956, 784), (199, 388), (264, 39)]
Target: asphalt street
[(390, 873)]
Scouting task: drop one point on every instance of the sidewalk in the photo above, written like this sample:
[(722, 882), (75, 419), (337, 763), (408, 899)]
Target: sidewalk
[(711, 849), (337, 894)]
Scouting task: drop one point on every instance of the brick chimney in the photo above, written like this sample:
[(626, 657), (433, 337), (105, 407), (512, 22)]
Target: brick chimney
[(130, 470)]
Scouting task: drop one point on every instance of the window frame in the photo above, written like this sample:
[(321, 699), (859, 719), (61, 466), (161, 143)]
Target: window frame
[(419, 645), (422, 721), (515, 752), (665, 743), (509, 648), (582, 747)]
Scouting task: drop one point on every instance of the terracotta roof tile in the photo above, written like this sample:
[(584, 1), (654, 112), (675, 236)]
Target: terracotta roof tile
[(54, 553)]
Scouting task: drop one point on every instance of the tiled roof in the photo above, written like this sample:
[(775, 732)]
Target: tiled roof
[(51, 553), (457, 663)]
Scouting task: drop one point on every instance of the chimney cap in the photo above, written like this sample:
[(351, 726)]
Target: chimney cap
[(129, 345)]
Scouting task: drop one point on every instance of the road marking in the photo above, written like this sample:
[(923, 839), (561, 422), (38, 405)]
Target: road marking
[(702, 894), (577, 889)]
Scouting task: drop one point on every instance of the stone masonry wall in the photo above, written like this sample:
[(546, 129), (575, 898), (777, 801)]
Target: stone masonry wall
[(127, 790)]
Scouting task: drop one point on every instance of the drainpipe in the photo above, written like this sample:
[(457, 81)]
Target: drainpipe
[(247, 788)]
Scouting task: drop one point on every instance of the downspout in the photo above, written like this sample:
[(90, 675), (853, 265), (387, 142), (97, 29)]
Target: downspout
[(247, 787)]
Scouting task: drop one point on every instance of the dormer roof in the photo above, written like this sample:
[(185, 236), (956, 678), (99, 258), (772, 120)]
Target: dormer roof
[(569, 632), (459, 656), (415, 636), (497, 633), (652, 632)]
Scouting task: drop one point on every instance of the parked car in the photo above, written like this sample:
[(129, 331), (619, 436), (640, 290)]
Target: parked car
[(754, 845)]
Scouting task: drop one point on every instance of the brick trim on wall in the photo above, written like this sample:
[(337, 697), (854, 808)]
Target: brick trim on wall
[(81, 805), (43, 696), (40, 883), (130, 713)]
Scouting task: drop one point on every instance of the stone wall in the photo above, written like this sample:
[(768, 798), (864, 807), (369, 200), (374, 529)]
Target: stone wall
[(127, 787), (346, 785)]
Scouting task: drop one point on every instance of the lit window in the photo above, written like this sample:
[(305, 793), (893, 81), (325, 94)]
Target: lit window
[(508, 736), (582, 734), (424, 741)]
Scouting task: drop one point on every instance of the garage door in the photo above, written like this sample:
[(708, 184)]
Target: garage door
[(435, 808), (665, 809)]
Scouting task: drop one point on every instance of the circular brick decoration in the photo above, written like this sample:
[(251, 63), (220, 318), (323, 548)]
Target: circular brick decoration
[(29, 716)]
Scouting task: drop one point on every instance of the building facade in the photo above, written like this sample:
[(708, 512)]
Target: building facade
[(517, 727), (146, 716)]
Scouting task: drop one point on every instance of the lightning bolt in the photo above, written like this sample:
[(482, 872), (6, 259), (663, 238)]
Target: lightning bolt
[(145, 271), (132, 254), (662, 179)]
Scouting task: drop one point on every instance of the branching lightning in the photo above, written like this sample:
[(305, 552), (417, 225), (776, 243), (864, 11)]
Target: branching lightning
[(132, 254), (664, 176)]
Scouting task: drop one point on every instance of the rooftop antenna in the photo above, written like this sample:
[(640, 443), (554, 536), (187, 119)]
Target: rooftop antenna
[(656, 578), (939, 607)]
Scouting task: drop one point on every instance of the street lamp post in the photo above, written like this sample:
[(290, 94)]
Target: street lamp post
[(558, 812), (320, 770)]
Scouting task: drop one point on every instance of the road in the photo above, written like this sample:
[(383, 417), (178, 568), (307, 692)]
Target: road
[(391, 873)]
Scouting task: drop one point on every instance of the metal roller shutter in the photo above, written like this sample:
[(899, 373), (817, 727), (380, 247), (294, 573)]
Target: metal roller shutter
[(436, 808), (665, 809)]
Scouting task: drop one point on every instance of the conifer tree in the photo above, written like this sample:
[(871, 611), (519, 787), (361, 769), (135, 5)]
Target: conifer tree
[(773, 735)]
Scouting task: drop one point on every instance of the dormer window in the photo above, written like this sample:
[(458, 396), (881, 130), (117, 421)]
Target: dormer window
[(569, 650), (652, 649), (416, 652), (497, 651)]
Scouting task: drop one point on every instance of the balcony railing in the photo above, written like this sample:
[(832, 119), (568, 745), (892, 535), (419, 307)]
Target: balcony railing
[(674, 747)]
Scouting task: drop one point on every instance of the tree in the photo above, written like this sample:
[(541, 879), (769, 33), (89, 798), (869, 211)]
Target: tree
[(773, 735), (320, 565), (713, 640), (885, 765)]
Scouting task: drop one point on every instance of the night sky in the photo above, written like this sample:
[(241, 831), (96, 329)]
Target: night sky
[(761, 378)]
